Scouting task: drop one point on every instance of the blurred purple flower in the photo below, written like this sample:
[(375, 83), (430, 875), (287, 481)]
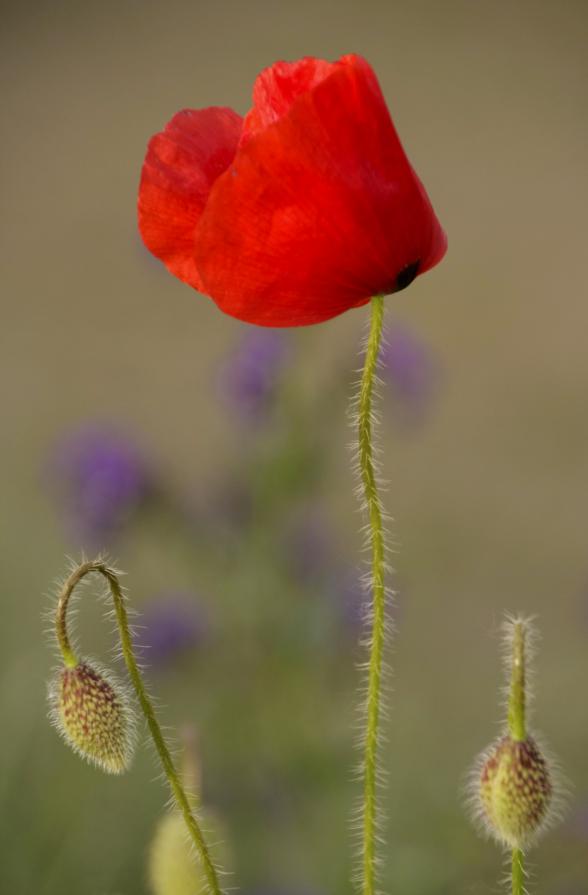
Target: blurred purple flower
[(411, 369), (170, 624), (99, 477), (251, 374)]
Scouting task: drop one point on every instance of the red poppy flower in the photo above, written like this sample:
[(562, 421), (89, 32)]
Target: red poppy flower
[(303, 209)]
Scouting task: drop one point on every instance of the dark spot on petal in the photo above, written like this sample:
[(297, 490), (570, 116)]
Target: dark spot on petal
[(407, 275)]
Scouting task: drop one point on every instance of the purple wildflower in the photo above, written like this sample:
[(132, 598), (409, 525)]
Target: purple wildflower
[(411, 369), (170, 624), (99, 478), (250, 377)]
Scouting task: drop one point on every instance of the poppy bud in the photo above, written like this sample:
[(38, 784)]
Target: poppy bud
[(515, 790), (515, 787), (174, 868), (92, 713)]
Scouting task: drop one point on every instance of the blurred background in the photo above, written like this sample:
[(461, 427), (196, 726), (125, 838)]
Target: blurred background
[(211, 459)]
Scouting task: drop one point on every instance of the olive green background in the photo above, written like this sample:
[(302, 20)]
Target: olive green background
[(490, 499)]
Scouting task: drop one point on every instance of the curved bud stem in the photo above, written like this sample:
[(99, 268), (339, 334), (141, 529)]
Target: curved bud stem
[(70, 660), (376, 538)]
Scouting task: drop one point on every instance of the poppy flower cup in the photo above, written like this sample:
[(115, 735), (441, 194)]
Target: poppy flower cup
[(301, 210)]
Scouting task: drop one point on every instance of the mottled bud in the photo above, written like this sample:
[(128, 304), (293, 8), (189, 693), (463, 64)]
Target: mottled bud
[(92, 712), (174, 867), (514, 785), (515, 790)]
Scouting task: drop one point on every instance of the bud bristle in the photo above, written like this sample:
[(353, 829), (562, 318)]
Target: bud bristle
[(92, 712), (515, 791)]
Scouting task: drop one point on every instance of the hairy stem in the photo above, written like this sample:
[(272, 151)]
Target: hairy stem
[(517, 729), (518, 872), (70, 660), (376, 535), (516, 699)]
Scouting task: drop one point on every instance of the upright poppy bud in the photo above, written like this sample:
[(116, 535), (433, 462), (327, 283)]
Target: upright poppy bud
[(92, 712), (513, 782), (515, 790)]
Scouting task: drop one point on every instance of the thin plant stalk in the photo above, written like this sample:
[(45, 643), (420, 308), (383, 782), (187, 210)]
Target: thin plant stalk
[(70, 659), (518, 872), (517, 728), (377, 639)]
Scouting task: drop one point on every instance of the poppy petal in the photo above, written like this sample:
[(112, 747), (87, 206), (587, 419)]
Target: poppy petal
[(319, 210), (277, 87), (181, 165)]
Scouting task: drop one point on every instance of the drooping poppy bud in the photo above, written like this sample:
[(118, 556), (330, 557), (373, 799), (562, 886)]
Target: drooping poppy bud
[(92, 712), (302, 210)]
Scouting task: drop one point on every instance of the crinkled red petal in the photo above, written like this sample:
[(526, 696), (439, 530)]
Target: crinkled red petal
[(181, 165), (319, 211), (277, 87)]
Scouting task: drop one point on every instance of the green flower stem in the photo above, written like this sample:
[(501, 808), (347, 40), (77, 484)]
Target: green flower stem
[(517, 729), (70, 660), (376, 535), (518, 872), (516, 700)]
